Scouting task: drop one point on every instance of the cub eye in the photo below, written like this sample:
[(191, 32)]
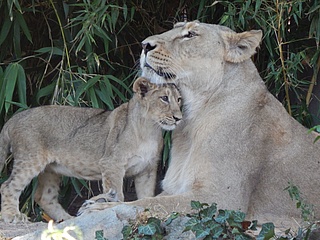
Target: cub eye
[(190, 34), (164, 98), (179, 99)]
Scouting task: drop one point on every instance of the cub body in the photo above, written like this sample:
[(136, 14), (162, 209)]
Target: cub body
[(87, 143)]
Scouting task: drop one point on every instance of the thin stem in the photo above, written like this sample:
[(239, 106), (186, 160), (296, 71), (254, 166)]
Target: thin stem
[(281, 55)]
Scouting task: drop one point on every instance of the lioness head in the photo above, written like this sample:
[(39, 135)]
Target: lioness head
[(195, 50), (162, 101)]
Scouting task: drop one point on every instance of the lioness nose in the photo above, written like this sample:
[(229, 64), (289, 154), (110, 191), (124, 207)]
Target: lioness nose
[(147, 47), (177, 118)]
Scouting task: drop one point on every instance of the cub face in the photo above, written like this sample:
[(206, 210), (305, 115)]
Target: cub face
[(162, 101)]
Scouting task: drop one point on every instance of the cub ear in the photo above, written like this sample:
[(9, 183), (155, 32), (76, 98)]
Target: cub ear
[(241, 46), (142, 86)]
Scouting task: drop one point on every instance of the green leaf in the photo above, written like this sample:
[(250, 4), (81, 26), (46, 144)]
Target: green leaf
[(267, 231), (196, 205), (222, 216), (172, 216), (20, 105), (148, 229), (216, 230), (51, 50), (209, 212), (23, 26), (99, 235), (190, 224), (10, 76), (84, 87), (238, 216), (6, 26), (76, 186), (200, 231), (242, 237), (45, 91), (93, 98), (253, 225), (22, 85), (16, 39), (2, 89), (156, 223), (126, 232)]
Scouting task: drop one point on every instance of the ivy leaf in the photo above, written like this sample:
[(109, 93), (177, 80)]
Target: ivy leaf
[(216, 230), (267, 231), (238, 216), (200, 231), (222, 216), (196, 205), (173, 216), (148, 229), (126, 232)]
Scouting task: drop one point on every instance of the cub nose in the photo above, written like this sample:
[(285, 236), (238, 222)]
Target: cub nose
[(148, 47)]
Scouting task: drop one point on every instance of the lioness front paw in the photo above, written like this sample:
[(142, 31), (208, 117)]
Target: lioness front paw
[(15, 218)]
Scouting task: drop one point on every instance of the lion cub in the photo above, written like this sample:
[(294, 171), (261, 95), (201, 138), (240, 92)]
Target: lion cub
[(87, 143)]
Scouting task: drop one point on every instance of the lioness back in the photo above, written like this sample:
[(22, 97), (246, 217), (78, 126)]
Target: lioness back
[(87, 143)]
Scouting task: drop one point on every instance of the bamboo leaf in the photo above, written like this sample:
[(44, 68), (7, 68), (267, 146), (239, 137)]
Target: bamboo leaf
[(2, 89), (45, 91), (16, 39), (23, 26), (51, 50), (5, 30), (10, 76), (93, 98), (21, 85), (84, 87)]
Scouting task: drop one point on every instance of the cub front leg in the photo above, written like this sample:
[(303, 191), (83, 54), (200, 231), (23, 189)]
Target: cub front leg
[(112, 183), (145, 183)]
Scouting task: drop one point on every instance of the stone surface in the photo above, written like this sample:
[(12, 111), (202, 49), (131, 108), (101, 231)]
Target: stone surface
[(109, 221)]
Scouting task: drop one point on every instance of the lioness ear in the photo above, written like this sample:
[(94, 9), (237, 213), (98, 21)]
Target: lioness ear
[(241, 46), (142, 86)]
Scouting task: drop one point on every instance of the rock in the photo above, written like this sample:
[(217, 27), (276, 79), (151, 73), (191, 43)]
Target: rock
[(109, 222)]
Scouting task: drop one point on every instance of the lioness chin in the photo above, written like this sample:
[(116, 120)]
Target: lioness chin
[(237, 145), (87, 143)]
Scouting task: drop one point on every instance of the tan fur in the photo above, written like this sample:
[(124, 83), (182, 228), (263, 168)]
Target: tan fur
[(237, 145), (87, 143)]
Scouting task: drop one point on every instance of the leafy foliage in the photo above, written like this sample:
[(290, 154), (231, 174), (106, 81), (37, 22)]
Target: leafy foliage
[(307, 211), (211, 223), (149, 228)]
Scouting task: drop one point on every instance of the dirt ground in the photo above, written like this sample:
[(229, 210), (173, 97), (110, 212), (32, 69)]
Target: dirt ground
[(9, 231)]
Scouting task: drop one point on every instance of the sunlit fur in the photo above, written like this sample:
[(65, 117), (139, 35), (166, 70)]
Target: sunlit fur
[(237, 145), (87, 143)]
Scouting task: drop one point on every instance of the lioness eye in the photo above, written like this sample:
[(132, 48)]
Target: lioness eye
[(190, 34), (164, 98)]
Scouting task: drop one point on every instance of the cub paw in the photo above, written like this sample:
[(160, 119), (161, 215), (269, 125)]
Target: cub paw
[(16, 218), (99, 202), (112, 196)]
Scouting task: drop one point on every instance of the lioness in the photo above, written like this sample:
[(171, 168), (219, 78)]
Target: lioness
[(87, 143), (237, 145)]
